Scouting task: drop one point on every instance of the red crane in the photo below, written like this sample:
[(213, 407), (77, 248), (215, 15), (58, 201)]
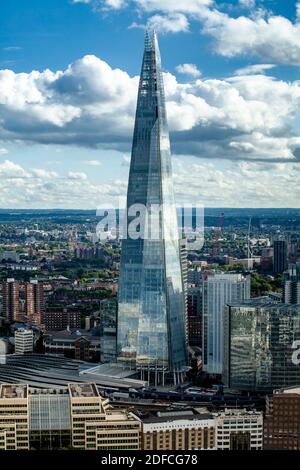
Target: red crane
[(218, 232)]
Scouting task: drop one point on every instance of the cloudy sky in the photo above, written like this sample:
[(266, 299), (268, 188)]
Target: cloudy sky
[(69, 73)]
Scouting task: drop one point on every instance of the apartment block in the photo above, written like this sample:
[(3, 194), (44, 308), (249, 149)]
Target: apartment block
[(11, 294)]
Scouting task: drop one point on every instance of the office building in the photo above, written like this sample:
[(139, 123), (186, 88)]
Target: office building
[(23, 341), (217, 290), (194, 275), (14, 417), (259, 345), (291, 285), (189, 429), (76, 417), (96, 427), (57, 319), (10, 294), (151, 310), (282, 420), (239, 430), (280, 257)]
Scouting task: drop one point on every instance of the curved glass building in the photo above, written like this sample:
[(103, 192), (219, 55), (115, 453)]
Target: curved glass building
[(151, 312)]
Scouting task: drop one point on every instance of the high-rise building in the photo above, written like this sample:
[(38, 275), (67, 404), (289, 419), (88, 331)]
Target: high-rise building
[(10, 294), (280, 256), (151, 312), (23, 341), (259, 345), (34, 299), (291, 285), (217, 290), (194, 316), (282, 420), (108, 330)]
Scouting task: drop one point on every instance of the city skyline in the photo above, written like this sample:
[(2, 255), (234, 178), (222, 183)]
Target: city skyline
[(232, 110)]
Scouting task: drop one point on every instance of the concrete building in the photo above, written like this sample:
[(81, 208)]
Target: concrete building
[(239, 430), (189, 429), (95, 427), (23, 341), (14, 417), (282, 420), (218, 289), (76, 417)]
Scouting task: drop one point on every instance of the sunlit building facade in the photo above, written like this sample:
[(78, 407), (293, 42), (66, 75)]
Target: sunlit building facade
[(151, 313)]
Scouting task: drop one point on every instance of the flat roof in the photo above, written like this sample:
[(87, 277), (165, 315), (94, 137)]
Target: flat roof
[(168, 416), (289, 390), (13, 391), (83, 390)]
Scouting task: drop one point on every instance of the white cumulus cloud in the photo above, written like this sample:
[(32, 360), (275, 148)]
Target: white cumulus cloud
[(188, 69)]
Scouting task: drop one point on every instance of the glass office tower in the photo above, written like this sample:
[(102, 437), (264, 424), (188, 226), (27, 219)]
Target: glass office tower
[(260, 340), (151, 312)]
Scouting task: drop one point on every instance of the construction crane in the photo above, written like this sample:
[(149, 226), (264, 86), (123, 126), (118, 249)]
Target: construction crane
[(218, 232)]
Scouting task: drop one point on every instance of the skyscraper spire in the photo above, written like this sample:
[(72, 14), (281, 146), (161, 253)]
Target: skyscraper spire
[(151, 318)]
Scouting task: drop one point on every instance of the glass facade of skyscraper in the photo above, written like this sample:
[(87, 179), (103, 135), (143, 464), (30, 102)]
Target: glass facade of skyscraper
[(151, 312), (259, 346)]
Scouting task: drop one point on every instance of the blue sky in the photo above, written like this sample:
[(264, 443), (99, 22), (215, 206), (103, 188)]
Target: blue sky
[(68, 78)]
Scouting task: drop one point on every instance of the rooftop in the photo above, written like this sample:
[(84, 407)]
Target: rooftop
[(289, 390), (71, 334), (173, 415), (13, 391), (83, 390)]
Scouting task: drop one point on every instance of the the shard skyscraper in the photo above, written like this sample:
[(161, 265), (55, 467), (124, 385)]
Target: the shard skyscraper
[(151, 314)]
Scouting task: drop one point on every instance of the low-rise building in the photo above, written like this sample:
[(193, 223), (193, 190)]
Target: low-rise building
[(77, 417), (74, 344), (188, 429), (239, 430), (14, 417)]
